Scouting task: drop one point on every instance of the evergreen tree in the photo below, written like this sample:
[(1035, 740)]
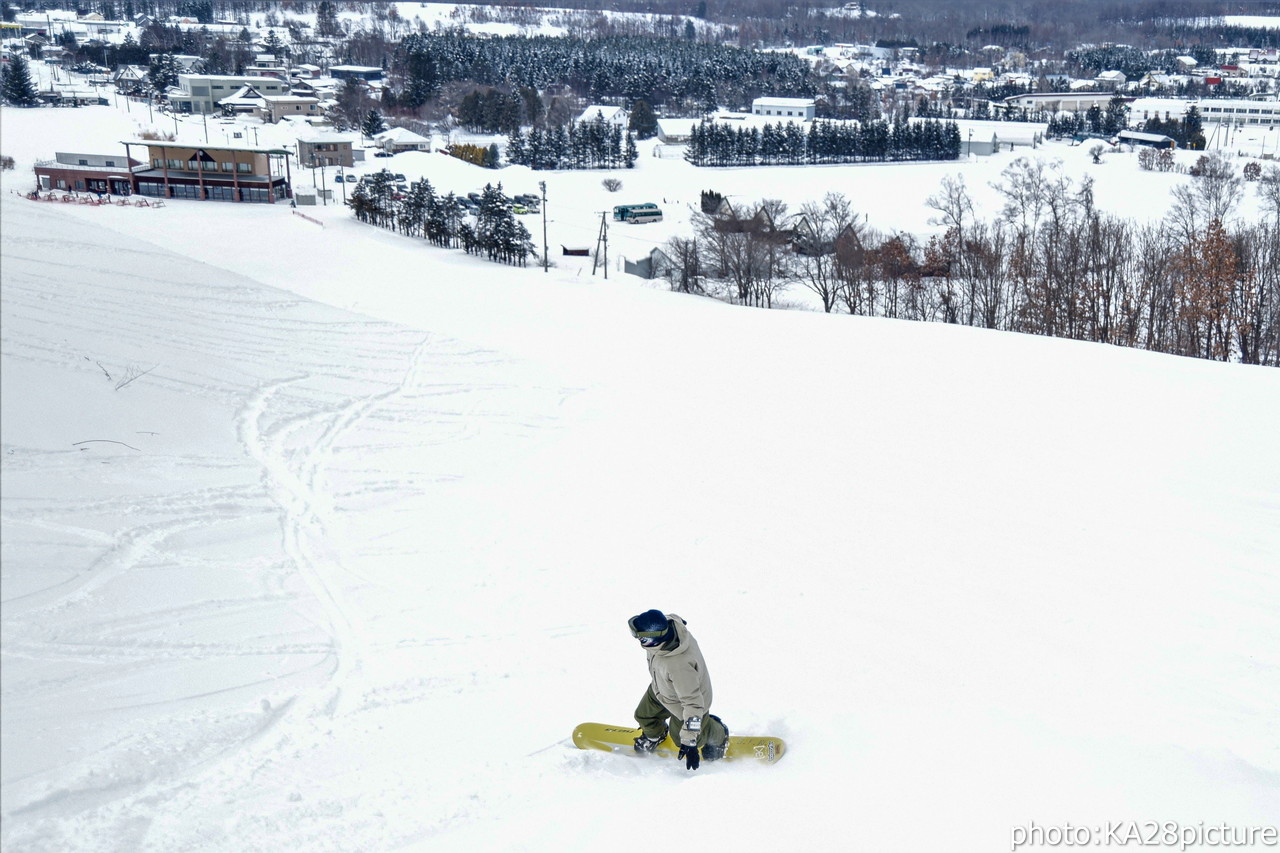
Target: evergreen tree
[(643, 123), (422, 78), (272, 43), (327, 19), (17, 87), (1117, 116), (1193, 130), (163, 72), (534, 110), (373, 124), (631, 154)]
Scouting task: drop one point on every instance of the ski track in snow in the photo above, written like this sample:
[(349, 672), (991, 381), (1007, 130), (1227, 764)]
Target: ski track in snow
[(320, 581), (270, 362)]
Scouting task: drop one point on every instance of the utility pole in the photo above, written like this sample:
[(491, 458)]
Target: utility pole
[(602, 239), (546, 258)]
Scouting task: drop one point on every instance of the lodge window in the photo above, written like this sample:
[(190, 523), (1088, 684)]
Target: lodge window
[(255, 194), (221, 193), (244, 168), (175, 164), (185, 191), (151, 188)]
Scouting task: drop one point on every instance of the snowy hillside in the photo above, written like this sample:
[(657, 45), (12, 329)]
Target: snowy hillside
[(321, 539)]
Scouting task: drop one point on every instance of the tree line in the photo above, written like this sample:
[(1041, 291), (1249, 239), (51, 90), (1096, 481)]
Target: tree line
[(1197, 283), (662, 71), (591, 144), (445, 220), (719, 144)]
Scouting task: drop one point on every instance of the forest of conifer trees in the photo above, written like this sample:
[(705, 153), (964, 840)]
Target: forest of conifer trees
[(785, 143)]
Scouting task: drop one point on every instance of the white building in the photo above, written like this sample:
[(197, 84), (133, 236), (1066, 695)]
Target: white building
[(675, 131), (399, 139), (612, 115), (276, 107), (801, 108), (1238, 111), (1071, 102), (1234, 111), (200, 93)]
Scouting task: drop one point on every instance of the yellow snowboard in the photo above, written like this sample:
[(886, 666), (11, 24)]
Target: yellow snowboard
[(765, 750)]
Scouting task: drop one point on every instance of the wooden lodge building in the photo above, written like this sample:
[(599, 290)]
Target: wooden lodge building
[(175, 170)]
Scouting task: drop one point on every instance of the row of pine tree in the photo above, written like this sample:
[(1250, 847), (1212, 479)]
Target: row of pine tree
[(445, 220), (592, 144), (718, 144)]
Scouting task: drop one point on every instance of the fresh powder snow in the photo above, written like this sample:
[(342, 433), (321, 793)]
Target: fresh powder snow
[(319, 538)]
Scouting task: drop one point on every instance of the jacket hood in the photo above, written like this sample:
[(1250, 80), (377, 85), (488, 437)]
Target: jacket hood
[(682, 638)]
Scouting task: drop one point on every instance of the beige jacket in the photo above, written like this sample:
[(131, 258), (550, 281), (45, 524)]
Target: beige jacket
[(679, 676)]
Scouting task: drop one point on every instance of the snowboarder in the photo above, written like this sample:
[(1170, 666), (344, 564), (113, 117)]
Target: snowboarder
[(679, 693)]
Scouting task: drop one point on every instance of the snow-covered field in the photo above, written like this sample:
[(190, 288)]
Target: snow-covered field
[(319, 538)]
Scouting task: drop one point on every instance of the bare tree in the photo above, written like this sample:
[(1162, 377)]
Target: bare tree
[(1024, 185), (822, 225), (953, 203), (1218, 188), (1269, 191), (685, 272)]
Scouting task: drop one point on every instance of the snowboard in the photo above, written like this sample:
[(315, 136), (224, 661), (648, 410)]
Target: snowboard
[(601, 736)]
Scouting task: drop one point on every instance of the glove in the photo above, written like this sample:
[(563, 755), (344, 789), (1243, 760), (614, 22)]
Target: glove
[(690, 730), (690, 756)]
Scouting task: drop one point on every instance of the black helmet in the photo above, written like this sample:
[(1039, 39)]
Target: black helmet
[(651, 628)]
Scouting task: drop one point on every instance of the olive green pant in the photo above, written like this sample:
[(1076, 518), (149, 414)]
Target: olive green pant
[(654, 720)]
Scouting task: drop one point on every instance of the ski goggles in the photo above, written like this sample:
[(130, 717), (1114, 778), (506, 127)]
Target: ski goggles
[(646, 638)]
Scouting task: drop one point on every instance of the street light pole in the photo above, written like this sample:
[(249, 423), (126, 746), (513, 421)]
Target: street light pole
[(546, 259)]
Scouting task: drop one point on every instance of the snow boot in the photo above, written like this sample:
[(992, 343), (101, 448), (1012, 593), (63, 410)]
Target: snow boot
[(645, 744), (715, 751)]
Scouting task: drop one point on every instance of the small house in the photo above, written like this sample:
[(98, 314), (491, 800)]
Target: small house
[(1111, 79), (653, 265), (1150, 140), (276, 107), (399, 139), (797, 108), (615, 116), (355, 72), (675, 131)]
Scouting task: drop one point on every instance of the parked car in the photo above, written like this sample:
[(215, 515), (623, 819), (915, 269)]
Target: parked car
[(519, 209), (382, 154), (400, 177)]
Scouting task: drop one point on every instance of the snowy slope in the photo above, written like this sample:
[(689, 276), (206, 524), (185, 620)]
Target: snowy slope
[(346, 561)]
